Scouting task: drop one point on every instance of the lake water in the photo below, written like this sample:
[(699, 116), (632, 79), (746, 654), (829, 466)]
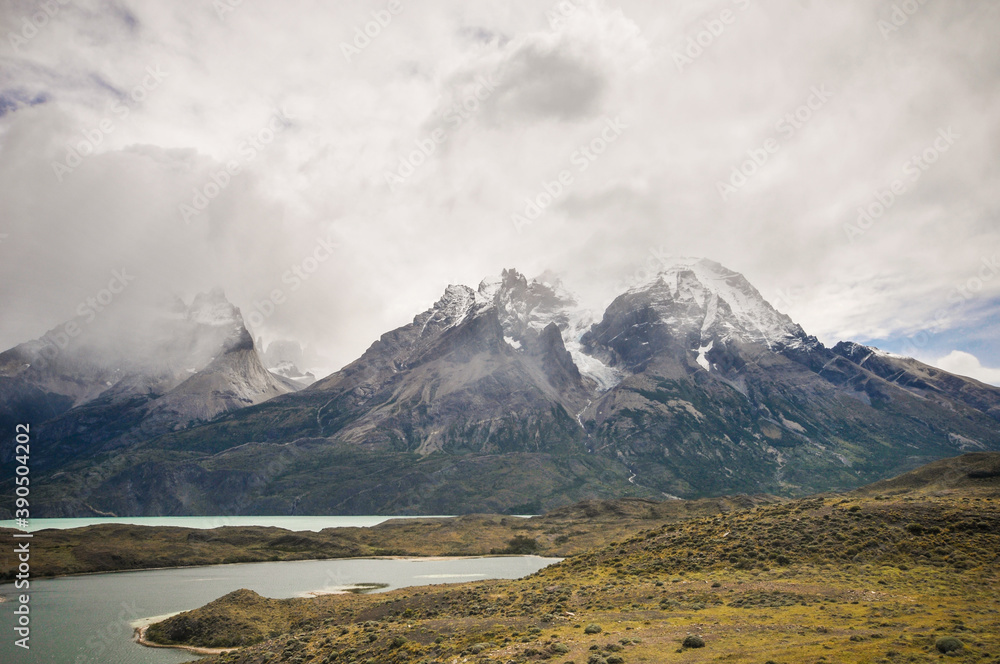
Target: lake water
[(84, 619), (313, 523)]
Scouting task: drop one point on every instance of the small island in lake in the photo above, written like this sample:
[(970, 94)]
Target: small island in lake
[(904, 570)]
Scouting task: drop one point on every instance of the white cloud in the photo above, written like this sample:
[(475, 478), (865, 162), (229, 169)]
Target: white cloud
[(655, 187), (966, 364)]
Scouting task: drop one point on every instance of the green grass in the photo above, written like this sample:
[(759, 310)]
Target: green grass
[(567, 531), (826, 579)]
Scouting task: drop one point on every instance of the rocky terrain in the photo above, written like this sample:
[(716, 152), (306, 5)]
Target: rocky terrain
[(511, 398)]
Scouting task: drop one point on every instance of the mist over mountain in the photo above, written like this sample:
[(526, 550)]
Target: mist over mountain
[(504, 397), (133, 373), (284, 358)]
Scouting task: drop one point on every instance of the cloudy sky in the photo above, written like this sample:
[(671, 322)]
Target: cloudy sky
[(334, 181)]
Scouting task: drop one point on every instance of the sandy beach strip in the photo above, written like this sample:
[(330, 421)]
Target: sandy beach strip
[(139, 636), (140, 626)]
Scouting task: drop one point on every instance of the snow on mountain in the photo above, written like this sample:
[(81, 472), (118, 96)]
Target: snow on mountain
[(717, 297), (689, 294), (606, 377), (214, 310), (284, 357), (454, 307), (161, 360), (291, 372), (526, 307), (702, 360)]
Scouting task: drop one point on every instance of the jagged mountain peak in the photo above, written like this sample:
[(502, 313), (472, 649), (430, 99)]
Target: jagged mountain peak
[(214, 309), (721, 301), (456, 302), (691, 384), (860, 353), (508, 280), (159, 336), (522, 306), (524, 309), (143, 368)]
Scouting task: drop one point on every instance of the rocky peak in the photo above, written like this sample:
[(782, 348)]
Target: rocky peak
[(705, 296), (213, 309), (525, 307)]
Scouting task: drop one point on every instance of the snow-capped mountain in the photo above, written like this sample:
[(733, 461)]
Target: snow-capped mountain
[(510, 396), (283, 358), (699, 293), (525, 309), (481, 370), (129, 375), (694, 306)]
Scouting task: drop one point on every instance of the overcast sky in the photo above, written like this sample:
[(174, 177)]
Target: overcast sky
[(119, 118)]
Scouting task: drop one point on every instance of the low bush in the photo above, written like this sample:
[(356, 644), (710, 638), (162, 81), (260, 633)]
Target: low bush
[(693, 641), (947, 644)]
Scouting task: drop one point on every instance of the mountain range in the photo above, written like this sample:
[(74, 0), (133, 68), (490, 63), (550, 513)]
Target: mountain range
[(509, 397)]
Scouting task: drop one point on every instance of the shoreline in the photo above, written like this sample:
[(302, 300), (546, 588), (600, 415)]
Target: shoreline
[(139, 636), (349, 589), (11, 524), (412, 558), (140, 627)]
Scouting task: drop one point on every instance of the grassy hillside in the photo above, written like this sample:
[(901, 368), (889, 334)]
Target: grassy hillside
[(570, 530), (869, 576)]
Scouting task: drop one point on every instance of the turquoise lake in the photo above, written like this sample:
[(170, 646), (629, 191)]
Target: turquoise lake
[(88, 619), (314, 523)]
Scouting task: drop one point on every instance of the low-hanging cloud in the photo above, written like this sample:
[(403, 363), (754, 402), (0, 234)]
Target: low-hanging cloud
[(391, 250)]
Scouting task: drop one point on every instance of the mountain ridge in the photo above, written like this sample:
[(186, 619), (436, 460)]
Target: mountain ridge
[(690, 384), (179, 365)]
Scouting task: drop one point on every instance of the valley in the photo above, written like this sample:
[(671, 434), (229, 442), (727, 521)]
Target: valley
[(901, 571)]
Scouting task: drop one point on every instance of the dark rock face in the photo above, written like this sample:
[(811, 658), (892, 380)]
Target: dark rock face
[(556, 361), (630, 337), (923, 380), (504, 398), (451, 381), (22, 402)]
